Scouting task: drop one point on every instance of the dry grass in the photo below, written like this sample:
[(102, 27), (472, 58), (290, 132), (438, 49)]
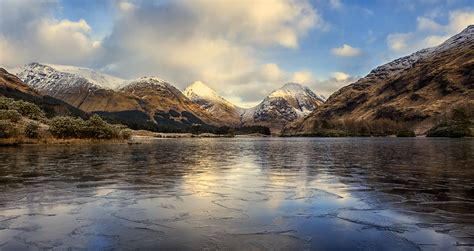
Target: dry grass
[(55, 141)]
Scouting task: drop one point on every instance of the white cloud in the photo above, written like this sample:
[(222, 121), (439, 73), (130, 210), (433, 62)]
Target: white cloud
[(303, 77), (213, 41), (399, 41), (429, 33), (39, 37), (425, 23), (335, 4), (337, 80), (346, 51), (340, 76), (181, 41)]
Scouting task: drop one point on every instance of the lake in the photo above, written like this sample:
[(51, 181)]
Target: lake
[(240, 194)]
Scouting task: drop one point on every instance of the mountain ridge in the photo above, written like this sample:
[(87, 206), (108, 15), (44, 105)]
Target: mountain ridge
[(415, 90)]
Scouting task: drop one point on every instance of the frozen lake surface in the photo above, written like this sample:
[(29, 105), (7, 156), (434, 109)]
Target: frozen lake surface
[(240, 194)]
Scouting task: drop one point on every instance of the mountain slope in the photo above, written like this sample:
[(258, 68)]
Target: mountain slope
[(12, 87), (214, 104), (415, 90), (286, 104), (136, 103), (166, 104), (84, 92)]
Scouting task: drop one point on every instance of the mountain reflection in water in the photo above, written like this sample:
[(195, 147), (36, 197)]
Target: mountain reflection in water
[(241, 193)]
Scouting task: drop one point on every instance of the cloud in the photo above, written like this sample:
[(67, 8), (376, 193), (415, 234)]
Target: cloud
[(346, 51), (337, 80), (303, 77), (429, 33), (30, 33), (217, 42), (335, 4), (340, 76)]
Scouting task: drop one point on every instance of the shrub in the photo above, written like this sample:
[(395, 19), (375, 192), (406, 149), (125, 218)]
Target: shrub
[(95, 127), (11, 115), (66, 127), (456, 124), (125, 133), (7, 129), (6, 103), (28, 109), (31, 130)]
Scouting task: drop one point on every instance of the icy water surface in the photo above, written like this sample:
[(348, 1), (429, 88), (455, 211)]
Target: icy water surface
[(240, 194)]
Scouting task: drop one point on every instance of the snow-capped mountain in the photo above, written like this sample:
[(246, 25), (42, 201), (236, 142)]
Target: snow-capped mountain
[(138, 102), (283, 105), (166, 104), (50, 76), (208, 99), (416, 90), (399, 65), (151, 99), (83, 88)]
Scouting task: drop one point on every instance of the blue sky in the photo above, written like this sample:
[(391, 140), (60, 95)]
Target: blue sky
[(242, 49)]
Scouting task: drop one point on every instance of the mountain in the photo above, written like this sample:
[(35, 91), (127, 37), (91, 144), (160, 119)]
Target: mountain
[(284, 105), (144, 103), (12, 87), (80, 87), (214, 104), (416, 90), (152, 103), (166, 104)]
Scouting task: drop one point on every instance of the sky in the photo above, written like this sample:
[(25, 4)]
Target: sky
[(243, 49)]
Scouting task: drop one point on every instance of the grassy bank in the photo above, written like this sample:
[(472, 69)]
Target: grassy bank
[(23, 122)]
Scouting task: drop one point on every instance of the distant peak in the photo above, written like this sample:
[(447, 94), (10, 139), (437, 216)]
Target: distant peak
[(200, 89), (151, 79), (292, 85)]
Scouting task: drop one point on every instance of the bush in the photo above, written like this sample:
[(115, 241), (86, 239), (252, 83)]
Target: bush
[(125, 133), (6, 103), (28, 109), (93, 128), (31, 130), (7, 129), (11, 115), (66, 127), (458, 123)]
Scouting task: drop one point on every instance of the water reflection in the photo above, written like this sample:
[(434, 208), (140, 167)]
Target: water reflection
[(291, 193)]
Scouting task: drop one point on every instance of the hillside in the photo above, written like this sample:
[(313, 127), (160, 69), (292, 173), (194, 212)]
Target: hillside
[(284, 105), (416, 90), (12, 87), (228, 113)]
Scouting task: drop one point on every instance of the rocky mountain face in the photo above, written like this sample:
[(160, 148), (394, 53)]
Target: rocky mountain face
[(166, 104), (414, 90), (148, 103), (151, 101), (12, 87), (282, 106), (217, 106), (76, 87)]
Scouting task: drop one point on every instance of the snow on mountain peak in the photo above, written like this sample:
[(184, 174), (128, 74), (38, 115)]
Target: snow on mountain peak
[(293, 90), (101, 79), (51, 76), (399, 65), (200, 90), (146, 82)]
